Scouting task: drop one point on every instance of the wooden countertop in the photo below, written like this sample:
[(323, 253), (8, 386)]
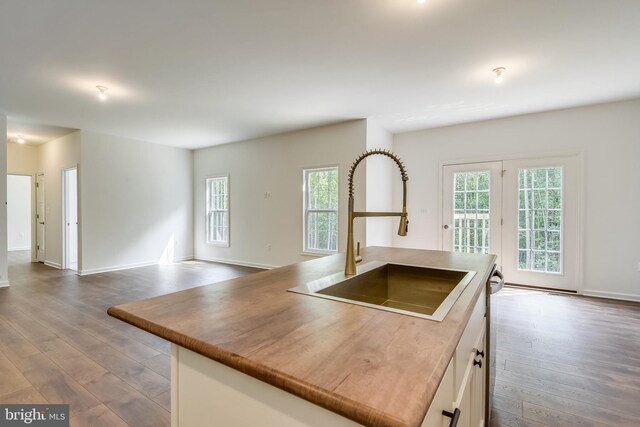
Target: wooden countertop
[(374, 367)]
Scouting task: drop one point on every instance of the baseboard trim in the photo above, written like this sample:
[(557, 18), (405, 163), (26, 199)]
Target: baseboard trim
[(236, 262), (19, 248), (611, 295), (88, 272), (53, 264), (4, 284)]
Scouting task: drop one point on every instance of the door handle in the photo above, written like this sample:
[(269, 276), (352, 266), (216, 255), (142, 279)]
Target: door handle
[(446, 226), (455, 415), (42, 223)]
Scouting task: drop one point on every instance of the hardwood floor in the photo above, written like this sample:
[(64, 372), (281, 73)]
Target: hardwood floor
[(562, 360), (565, 360), (58, 345)]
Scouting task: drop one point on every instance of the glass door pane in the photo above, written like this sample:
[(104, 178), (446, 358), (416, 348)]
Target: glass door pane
[(472, 208), (471, 212), (541, 222), (540, 219)]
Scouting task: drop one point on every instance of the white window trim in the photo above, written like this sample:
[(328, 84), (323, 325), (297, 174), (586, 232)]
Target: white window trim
[(219, 244), (305, 193)]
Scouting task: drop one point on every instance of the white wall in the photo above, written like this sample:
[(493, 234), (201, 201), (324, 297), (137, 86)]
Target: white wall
[(136, 205), (274, 165), (22, 159), (4, 281), (19, 212), (609, 137), (381, 172), (55, 156)]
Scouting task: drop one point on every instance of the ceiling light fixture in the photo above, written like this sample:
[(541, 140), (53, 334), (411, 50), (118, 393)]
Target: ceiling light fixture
[(498, 72), (102, 92), (20, 139), (422, 1)]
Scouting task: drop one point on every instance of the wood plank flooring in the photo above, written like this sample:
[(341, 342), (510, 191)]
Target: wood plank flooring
[(562, 360), (58, 345), (566, 360)]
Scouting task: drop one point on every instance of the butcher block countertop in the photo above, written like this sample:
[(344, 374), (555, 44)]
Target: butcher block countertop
[(375, 367)]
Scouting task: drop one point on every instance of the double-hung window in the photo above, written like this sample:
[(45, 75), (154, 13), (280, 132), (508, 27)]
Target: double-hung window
[(217, 204), (320, 210)]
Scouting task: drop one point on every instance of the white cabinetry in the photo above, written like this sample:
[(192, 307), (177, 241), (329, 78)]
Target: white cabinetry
[(461, 393)]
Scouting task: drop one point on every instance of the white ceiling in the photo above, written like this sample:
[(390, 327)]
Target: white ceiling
[(196, 73), (34, 133)]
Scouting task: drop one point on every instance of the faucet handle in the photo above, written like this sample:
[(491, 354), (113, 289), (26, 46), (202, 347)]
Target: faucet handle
[(358, 257)]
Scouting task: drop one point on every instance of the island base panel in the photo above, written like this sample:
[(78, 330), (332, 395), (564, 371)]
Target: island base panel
[(206, 392)]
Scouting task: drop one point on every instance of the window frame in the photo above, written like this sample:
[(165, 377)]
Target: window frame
[(217, 243), (305, 199)]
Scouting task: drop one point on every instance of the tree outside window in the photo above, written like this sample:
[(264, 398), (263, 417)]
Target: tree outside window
[(321, 210)]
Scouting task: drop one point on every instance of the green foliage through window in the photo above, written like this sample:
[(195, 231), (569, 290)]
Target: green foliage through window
[(321, 210), (540, 219)]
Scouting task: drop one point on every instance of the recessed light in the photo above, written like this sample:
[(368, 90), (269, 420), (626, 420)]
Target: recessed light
[(102, 92), (422, 1), (20, 139), (498, 72)]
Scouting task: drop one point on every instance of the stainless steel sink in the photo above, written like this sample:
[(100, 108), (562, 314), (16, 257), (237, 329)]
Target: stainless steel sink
[(424, 292)]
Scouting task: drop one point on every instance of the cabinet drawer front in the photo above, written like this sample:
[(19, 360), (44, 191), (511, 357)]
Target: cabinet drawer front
[(468, 339)]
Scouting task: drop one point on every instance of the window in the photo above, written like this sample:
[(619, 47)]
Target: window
[(540, 219), (321, 210), (471, 212), (217, 204)]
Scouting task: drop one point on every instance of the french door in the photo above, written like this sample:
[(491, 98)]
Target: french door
[(524, 211), (472, 206), (541, 223)]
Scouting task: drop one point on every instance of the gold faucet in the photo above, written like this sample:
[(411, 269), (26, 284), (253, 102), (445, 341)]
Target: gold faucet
[(350, 265)]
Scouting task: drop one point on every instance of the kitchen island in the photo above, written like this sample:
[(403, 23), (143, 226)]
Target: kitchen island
[(292, 355)]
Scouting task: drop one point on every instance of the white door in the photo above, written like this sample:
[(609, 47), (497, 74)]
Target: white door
[(40, 218), (541, 223), (472, 208), (71, 218)]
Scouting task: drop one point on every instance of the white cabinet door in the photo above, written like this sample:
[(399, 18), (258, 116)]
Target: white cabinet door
[(464, 402), (479, 384), (442, 401)]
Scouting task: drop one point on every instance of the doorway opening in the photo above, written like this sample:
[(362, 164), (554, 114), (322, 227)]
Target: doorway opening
[(70, 219), (19, 213)]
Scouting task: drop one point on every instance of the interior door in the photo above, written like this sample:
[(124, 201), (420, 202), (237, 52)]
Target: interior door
[(541, 224), (71, 219), (472, 208), (40, 218)]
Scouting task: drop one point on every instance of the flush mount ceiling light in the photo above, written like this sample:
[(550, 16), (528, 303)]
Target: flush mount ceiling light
[(422, 1), (499, 72), (102, 92), (20, 139)]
